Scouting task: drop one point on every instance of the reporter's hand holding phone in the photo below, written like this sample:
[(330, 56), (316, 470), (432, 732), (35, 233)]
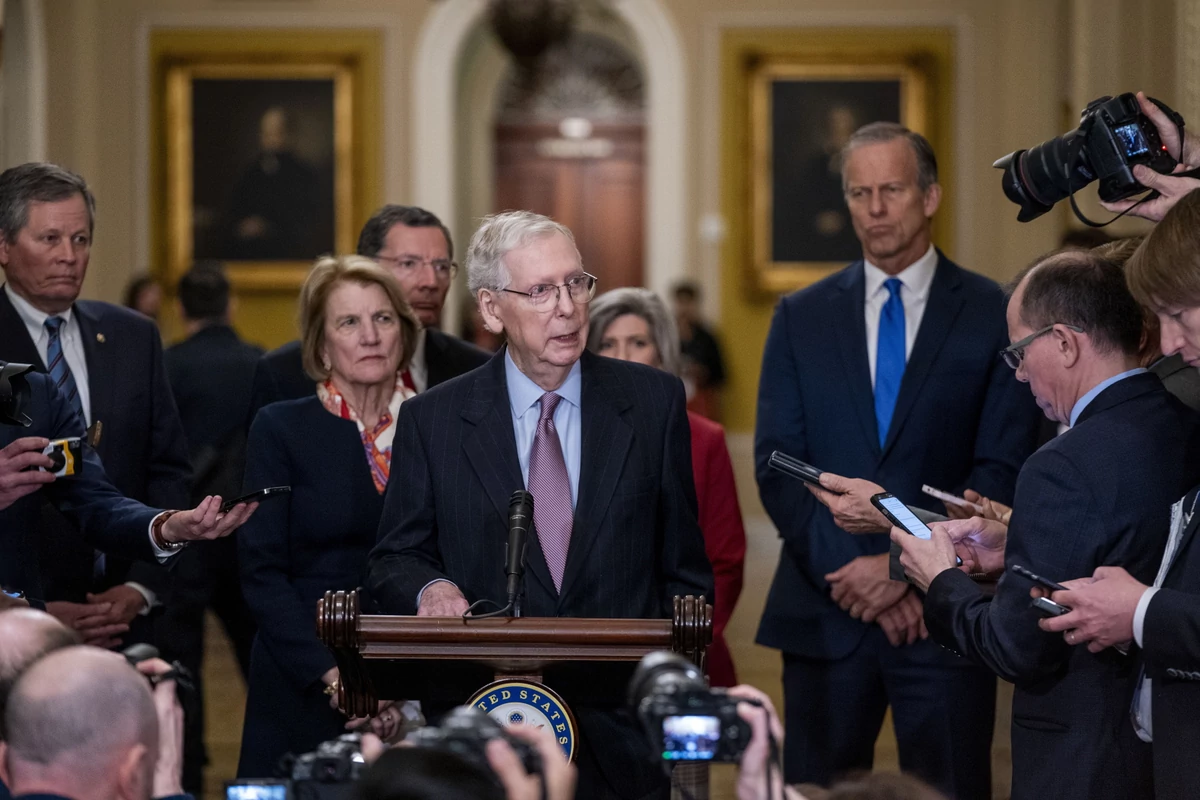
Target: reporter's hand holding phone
[(205, 521), (978, 542), (1102, 608), (849, 500), (925, 559)]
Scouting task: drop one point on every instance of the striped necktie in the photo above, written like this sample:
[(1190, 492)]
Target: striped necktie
[(56, 363)]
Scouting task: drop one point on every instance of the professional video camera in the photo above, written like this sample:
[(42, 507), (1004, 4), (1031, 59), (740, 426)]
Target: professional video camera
[(1113, 136), (683, 718)]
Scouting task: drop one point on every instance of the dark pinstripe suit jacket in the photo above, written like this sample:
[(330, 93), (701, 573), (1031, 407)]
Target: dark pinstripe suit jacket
[(635, 543), (1099, 495)]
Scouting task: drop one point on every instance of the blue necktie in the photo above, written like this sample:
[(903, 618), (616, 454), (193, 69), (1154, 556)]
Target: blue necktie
[(889, 357), (56, 364)]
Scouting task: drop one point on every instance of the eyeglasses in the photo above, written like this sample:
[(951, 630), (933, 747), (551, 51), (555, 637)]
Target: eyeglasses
[(1014, 354), (581, 289), (443, 268)]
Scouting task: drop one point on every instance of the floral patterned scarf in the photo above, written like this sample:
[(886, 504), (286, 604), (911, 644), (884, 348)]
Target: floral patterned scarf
[(377, 442)]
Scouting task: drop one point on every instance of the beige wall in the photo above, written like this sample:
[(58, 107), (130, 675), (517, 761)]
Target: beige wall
[(1023, 65)]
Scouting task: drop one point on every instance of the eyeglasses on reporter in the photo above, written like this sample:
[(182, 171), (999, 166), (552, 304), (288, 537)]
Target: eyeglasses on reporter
[(443, 268), (1014, 354)]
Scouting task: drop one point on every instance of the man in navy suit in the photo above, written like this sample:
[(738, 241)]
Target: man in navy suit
[(602, 445), (885, 371), (108, 361), (416, 247), (1098, 495)]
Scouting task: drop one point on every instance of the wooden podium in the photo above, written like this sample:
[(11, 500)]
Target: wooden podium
[(371, 649)]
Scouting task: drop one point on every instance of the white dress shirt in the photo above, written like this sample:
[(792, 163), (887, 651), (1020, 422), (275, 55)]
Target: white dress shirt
[(72, 343), (916, 279)]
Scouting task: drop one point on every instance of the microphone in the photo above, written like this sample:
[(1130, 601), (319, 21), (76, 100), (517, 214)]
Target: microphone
[(520, 519)]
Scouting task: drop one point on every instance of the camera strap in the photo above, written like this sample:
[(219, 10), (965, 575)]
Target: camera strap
[(1152, 195)]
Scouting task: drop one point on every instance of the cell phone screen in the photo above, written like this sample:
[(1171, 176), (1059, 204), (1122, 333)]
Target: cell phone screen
[(905, 517), (690, 738)]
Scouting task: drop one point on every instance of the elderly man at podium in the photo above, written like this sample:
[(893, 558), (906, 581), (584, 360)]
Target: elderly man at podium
[(603, 447)]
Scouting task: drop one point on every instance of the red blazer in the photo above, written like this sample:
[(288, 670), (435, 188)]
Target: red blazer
[(724, 537)]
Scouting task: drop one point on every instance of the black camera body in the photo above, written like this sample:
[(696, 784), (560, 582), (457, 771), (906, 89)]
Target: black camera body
[(327, 772), (1113, 137), (682, 717), (465, 732)]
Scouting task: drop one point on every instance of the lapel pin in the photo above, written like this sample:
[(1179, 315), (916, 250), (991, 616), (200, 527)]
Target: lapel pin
[(100, 338)]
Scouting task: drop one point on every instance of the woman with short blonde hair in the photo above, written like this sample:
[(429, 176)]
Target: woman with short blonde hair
[(334, 449)]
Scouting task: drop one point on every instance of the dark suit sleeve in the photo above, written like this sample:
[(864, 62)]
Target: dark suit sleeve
[(406, 555), (684, 564), (1171, 630), (286, 624), (1054, 534), (781, 426), (1007, 433), (108, 520)]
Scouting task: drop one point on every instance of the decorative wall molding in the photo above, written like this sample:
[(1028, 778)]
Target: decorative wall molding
[(23, 87)]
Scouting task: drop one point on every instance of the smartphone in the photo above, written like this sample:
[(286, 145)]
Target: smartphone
[(258, 789), (1045, 583), (953, 499), (1049, 608), (256, 497), (797, 469), (901, 515)]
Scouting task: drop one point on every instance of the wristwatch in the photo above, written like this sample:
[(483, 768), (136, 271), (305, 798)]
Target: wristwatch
[(156, 533)]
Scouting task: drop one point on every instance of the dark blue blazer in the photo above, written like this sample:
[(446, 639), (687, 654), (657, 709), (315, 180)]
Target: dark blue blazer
[(635, 542), (1170, 655), (142, 442), (291, 552), (1098, 495), (107, 520), (961, 420)]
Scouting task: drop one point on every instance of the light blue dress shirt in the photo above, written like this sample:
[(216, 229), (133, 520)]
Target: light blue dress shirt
[(523, 397), (1083, 402)]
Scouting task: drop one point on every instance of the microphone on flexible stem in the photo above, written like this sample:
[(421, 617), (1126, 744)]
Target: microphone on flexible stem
[(520, 519)]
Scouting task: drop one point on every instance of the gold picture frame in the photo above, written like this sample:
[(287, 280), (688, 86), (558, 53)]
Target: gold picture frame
[(341, 64), (902, 75)]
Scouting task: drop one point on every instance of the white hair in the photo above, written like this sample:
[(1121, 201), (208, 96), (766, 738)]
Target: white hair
[(497, 236)]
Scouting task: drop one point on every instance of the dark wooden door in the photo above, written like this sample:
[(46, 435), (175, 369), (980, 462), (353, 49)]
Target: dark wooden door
[(594, 186)]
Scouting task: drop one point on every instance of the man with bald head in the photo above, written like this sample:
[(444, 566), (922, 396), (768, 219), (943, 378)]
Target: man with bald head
[(81, 724), (28, 634), (1098, 495)]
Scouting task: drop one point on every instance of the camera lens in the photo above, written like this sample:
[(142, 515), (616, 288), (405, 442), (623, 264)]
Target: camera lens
[(1037, 178)]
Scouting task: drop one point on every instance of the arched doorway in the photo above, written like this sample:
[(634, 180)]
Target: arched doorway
[(440, 180), (569, 142)]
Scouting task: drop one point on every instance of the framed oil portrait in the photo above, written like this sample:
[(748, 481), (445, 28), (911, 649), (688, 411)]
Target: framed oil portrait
[(800, 99), (263, 150)]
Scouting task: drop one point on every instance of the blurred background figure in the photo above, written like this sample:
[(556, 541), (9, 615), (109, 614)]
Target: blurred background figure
[(211, 373), (633, 325), (703, 370), (334, 448), (144, 295)]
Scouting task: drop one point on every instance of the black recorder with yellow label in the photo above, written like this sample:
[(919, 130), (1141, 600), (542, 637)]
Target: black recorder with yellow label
[(67, 455)]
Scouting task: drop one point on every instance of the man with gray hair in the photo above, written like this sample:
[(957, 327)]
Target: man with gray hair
[(885, 372), (602, 445)]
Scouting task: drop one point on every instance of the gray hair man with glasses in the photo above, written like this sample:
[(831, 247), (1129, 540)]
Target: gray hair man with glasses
[(605, 450), (1095, 496), (415, 247)]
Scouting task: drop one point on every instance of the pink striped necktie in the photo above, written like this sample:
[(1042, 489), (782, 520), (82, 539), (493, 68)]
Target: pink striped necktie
[(551, 488)]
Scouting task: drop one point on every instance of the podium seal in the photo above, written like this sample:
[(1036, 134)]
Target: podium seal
[(525, 703)]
